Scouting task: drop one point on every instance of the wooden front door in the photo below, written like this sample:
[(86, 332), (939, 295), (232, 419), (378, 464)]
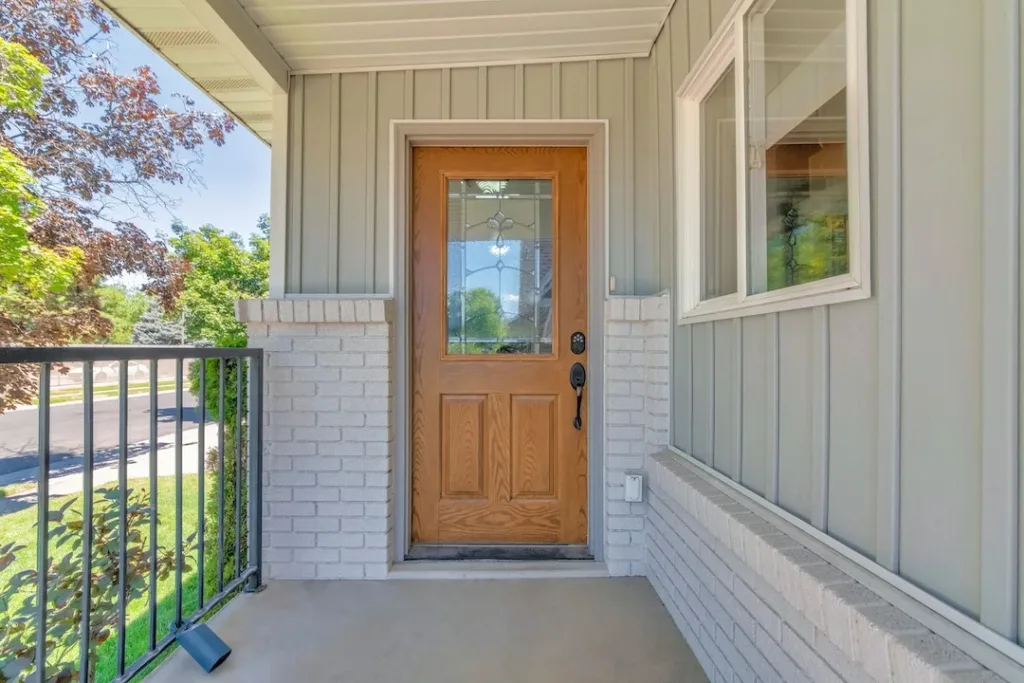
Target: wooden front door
[(499, 285)]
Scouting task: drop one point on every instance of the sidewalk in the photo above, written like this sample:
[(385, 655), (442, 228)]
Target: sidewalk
[(106, 473)]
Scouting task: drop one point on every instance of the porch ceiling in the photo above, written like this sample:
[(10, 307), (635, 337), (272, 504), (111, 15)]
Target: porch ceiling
[(239, 51)]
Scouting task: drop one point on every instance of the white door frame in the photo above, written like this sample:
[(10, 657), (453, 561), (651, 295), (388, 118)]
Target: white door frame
[(592, 134)]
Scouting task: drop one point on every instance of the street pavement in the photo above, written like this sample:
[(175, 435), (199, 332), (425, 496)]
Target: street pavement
[(19, 433)]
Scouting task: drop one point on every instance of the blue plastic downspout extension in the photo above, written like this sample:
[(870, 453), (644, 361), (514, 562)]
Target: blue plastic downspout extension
[(202, 643)]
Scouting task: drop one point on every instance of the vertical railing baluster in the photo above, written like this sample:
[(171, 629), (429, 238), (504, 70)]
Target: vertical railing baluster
[(238, 468), (87, 459), (179, 411), (201, 532), (255, 554), (42, 538), (154, 413), (122, 528), (220, 481)]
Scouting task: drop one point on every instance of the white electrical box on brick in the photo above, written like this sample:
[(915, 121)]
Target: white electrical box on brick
[(634, 488)]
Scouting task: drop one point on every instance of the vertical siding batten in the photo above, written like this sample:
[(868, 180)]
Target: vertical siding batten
[(819, 417), (628, 230), (279, 193), (665, 198), (294, 269), (1000, 318), (371, 183), (390, 105), (887, 190), (737, 396), (772, 355), (334, 227)]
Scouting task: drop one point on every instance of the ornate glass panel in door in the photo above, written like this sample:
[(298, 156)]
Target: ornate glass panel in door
[(500, 284)]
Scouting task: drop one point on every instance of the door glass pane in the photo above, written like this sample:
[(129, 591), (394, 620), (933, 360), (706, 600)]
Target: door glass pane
[(500, 267), (797, 131), (718, 158)]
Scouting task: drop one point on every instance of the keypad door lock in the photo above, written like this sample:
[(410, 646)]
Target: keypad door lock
[(578, 343)]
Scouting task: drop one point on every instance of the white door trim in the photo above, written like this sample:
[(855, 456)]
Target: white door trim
[(592, 134)]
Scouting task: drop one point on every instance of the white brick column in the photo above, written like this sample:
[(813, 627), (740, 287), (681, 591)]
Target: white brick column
[(636, 417), (329, 435)]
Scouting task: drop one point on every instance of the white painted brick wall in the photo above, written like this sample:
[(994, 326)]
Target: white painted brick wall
[(329, 437), (757, 606), (636, 417)]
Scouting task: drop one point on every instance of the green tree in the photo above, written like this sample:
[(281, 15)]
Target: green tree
[(124, 308), (483, 327), (223, 269), (33, 278)]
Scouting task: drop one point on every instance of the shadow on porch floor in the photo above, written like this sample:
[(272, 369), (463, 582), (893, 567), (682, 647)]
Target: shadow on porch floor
[(537, 630)]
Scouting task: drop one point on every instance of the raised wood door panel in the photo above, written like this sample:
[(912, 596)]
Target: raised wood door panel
[(495, 456)]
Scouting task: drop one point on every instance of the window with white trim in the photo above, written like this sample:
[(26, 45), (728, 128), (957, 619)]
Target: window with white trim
[(772, 154)]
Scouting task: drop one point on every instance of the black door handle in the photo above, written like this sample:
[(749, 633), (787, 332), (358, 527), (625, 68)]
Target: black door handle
[(577, 380)]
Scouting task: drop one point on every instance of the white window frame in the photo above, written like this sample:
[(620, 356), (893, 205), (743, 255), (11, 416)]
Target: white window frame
[(728, 47)]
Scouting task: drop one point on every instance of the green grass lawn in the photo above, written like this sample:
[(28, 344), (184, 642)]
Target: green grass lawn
[(105, 391), (20, 527)]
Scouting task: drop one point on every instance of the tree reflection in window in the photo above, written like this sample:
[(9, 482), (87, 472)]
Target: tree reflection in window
[(500, 267)]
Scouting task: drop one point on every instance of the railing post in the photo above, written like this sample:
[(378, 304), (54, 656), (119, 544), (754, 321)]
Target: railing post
[(87, 504), (179, 560), (256, 472), (154, 412), (43, 494), (122, 508)]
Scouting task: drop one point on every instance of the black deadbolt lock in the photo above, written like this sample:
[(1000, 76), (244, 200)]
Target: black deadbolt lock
[(577, 379), (578, 343)]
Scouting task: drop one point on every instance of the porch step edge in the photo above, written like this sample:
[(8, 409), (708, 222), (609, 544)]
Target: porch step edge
[(498, 569)]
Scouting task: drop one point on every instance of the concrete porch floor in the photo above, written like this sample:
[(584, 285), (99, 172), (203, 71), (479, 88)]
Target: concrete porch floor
[(476, 631)]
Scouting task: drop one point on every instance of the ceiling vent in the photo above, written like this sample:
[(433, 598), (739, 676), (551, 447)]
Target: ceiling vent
[(164, 39), (222, 84), (256, 116)]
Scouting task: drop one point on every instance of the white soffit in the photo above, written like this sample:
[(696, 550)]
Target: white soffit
[(197, 52), (325, 36), (349, 35)]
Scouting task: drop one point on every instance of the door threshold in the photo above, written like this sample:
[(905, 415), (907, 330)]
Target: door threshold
[(451, 552), (498, 569)]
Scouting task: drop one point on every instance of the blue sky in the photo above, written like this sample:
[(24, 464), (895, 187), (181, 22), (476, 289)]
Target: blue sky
[(237, 175)]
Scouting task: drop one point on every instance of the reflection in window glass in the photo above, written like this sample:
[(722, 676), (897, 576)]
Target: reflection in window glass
[(500, 267), (797, 127), (718, 159)]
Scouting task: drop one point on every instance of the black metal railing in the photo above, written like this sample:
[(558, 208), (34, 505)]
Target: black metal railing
[(140, 563)]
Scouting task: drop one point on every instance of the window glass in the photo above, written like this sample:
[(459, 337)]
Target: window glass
[(718, 173), (796, 124), (500, 267)]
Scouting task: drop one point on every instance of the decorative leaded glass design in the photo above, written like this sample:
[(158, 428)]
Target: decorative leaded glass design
[(500, 267)]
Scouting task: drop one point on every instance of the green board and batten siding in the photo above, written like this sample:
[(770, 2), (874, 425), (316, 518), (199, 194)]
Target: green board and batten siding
[(340, 125), (889, 423)]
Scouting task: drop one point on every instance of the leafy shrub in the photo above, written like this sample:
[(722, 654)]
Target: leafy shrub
[(65, 581)]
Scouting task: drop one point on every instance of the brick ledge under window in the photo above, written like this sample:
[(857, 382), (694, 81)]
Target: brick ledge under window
[(752, 601)]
